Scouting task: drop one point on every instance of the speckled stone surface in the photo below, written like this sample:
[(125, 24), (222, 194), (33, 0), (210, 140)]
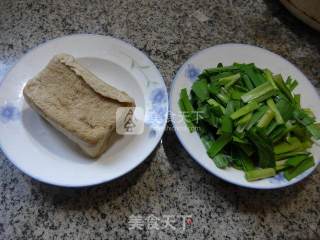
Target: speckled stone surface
[(169, 182)]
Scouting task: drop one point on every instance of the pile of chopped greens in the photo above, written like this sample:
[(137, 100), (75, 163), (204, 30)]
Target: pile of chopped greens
[(250, 119)]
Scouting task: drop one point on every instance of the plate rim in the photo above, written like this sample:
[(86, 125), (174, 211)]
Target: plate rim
[(148, 154), (190, 153), (301, 15)]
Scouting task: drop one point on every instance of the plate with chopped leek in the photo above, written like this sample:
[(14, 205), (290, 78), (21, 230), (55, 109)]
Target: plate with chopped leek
[(247, 115)]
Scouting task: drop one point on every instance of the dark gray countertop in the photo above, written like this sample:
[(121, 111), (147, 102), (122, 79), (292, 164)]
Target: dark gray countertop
[(168, 182)]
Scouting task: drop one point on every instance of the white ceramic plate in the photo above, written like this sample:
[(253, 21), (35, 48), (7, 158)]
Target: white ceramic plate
[(42, 152), (228, 54)]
